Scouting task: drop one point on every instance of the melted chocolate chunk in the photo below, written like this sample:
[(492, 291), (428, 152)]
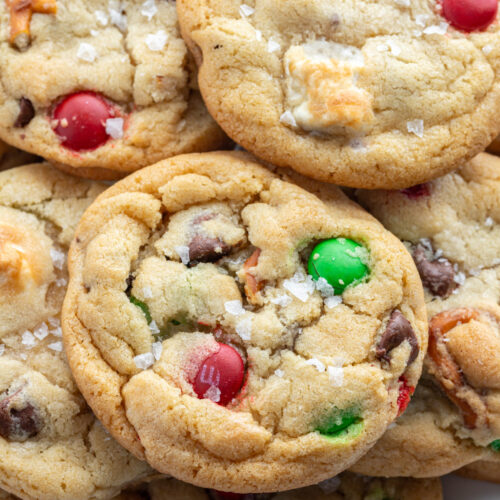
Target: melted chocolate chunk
[(18, 422), (437, 275), (398, 330), (206, 249), (26, 113)]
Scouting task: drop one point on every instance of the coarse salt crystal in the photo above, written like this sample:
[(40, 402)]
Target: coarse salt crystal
[(246, 10), (147, 293), (58, 258), (421, 19), (212, 393), (300, 286), (316, 363), (288, 119), (28, 339), (244, 328), (56, 346), (183, 253), (336, 375), (117, 15), (153, 327), (394, 47), (489, 222), (41, 332), (331, 302), (279, 373), (144, 361), (61, 282), (437, 29), (101, 17), (57, 332), (258, 35), (416, 127), (487, 49), (94, 32), (459, 278), (273, 46), (157, 349), (282, 300), (330, 485), (2, 349), (54, 322), (234, 307), (324, 287), (156, 41), (402, 3), (114, 127), (86, 52), (149, 9)]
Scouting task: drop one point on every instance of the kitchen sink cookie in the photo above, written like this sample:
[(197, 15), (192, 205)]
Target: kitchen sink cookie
[(236, 331), (51, 445), (12, 157), (452, 227), (494, 147), (482, 470), (370, 94), (346, 486), (100, 87)]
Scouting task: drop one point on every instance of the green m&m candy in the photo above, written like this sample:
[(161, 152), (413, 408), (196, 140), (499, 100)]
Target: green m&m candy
[(495, 445), (339, 261)]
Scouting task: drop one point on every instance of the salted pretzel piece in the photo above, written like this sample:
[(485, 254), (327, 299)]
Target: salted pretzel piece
[(447, 370), (20, 18)]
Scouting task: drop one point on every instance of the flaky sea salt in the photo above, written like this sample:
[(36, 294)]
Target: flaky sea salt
[(153, 327), (86, 52), (41, 332), (282, 300), (489, 222), (324, 288), (28, 339), (114, 127), (147, 293), (394, 47), (157, 349), (244, 328), (279, 373), (61, 282), (336, 375), (94, 32), (54, 322), (436, 29), (149, 9), (2, 349), (234, 307), (183, 253), (117, 15), (101, 17), (156, 41), (56, 332), (300, 286), (212, 393), (144, 361), (459, 278), (56, 346), (258, 35), (402, 3), (329, 485), (421, 19), (288, 119), (273, 46), (331, 302), (416, 127), (316, 363), (487, 50), (246, 10), (58, 258)]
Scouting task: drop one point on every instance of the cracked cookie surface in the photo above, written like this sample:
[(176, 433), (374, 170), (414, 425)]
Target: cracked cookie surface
[(371, 94), (451, 225), (100, 88), (200, 340), (51, 445)]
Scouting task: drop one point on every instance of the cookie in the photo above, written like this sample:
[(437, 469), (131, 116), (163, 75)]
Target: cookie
[(494, 147), (452, 227), (482, 470), (51, 445), (208, 329), (12, 157), (101, 88), (346, 486), (377, 94)]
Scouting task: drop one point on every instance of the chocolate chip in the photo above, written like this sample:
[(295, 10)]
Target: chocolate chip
[(26, 113), (437, 275), (19, 420), (398, 330), (206, 249)]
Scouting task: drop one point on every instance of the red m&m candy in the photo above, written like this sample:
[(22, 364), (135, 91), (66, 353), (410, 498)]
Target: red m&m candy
[(470, 15), (220, 376), (81, 121), (405, 393)]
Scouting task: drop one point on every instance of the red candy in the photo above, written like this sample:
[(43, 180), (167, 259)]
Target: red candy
[(405, 393), (82, 121), (417, 191), (470, 15), (224, 371)]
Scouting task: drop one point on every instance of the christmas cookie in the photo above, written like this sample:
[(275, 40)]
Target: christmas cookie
[(102, 88), (51, 445), (482, 470), (494, 147), (12, 157), (452, 227), (235, 330), (371, 94)]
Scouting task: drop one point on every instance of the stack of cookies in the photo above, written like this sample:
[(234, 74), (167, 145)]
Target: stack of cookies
[(249, 249)]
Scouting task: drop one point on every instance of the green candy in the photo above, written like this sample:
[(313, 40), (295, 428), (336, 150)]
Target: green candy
[(339, 261), (495, 445), (339, 422), (142, 306)]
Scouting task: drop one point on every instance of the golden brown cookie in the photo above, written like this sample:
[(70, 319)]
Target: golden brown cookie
[(482, 470), (210, 328)]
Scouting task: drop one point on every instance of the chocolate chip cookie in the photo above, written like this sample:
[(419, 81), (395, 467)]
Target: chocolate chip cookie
[(451, 225), (12, 157), (102, 88), (371, 94), (494, 147), (51, 445), (235, 330), (482, 470)]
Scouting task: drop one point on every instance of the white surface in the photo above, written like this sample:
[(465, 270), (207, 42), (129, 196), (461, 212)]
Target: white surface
[(459, 488)]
